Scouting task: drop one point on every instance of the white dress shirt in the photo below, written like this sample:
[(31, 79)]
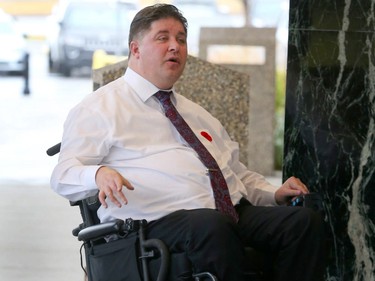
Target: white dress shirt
[(122, 126)]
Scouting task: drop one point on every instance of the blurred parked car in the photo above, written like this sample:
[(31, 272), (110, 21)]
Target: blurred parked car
[(86, 26), (13, 49)]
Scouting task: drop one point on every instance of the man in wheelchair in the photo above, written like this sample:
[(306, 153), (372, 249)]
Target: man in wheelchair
[(127, 142)]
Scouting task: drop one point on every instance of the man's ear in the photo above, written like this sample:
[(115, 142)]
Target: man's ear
[(134, 48)]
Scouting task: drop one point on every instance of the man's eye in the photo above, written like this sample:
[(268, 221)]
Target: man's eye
[(162, 38), (181, 40)]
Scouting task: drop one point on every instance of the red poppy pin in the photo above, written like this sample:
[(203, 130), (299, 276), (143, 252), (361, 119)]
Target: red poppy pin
[(207, 136)]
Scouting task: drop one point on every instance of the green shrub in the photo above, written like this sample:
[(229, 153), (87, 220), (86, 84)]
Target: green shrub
[(279, 118)]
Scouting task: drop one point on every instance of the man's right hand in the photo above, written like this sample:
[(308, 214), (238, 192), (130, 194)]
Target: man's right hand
[(110, 183)]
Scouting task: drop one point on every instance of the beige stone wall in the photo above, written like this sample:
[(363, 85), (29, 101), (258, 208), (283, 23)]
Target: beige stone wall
[(260, 150)]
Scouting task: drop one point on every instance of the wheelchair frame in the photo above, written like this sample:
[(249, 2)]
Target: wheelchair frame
[(91, 229)]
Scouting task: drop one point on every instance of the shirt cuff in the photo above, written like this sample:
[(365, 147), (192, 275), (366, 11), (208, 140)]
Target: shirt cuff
[(89, 176)]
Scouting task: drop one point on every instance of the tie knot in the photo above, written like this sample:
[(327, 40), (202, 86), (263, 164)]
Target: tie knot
[(163, 96)]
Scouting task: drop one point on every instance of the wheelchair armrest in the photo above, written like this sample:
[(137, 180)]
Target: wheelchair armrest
[(100, 230), (54, 149)]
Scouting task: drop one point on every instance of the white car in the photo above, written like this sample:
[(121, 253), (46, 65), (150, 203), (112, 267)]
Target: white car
[(13, 49), (82, 27)]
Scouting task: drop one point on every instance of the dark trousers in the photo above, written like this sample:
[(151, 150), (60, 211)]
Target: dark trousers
[(292, 237)]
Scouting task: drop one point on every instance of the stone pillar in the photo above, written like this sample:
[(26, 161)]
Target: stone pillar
[(251, 51), (330, 124)]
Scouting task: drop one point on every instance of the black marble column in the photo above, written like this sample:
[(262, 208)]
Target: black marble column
[(330, 124)]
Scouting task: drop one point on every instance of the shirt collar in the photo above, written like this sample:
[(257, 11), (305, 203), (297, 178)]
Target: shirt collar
[(143, 88)]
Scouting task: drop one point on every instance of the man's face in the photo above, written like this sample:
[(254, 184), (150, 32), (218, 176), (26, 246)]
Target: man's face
[(160, 53)]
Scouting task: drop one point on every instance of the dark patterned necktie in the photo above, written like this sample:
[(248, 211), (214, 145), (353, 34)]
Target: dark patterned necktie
[(218, 183)]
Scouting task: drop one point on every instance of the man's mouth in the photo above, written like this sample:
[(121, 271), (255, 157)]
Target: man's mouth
[(175, 60)]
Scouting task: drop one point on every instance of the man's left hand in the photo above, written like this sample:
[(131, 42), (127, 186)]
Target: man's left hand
[(291, 188)]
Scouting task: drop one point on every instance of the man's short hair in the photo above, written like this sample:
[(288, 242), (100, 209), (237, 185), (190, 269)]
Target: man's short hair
[(145, 17)]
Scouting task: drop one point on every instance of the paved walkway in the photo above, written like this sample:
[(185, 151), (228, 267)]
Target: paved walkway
[(36, 242), (35, 223)]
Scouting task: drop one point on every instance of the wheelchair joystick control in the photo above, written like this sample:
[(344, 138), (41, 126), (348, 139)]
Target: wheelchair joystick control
[(310, 200)]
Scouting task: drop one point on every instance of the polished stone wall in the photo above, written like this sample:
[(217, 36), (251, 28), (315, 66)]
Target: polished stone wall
[(330, 124)]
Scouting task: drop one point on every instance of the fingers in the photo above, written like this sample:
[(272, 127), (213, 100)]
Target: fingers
[(110, 184), (297, 184), (113, 193), (291, 188), (127, 184), (102, 198)]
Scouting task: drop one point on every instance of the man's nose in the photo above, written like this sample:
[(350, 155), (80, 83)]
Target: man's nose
[(174, 45)]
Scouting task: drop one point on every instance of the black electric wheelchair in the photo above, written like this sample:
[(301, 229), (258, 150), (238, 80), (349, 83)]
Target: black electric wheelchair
[(107, 246)]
